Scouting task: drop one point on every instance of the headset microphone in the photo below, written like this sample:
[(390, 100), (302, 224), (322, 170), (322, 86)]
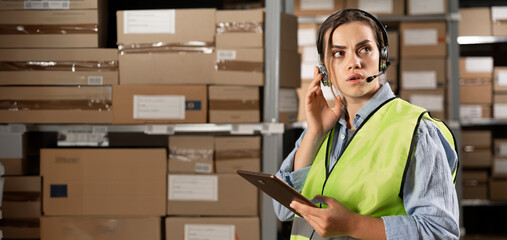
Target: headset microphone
[(370, 78)]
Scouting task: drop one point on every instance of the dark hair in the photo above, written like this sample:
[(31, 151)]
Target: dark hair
[(345, 16)]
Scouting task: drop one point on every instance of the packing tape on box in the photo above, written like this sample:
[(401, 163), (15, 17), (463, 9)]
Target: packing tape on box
[(233, 104), (237, 154), (190, 154), (475, 81), (242, 27), (94, 66), (242, 66), (192, 46), (85, 104), (48, 29)]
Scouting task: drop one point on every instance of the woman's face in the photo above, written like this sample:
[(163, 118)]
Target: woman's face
[(352, 57)]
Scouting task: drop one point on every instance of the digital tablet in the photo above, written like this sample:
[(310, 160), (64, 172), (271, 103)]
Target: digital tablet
[(275, 188)]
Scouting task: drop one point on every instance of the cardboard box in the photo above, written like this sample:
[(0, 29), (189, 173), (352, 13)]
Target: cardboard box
[(307, 34), (474, 22), (211, 195), (432, 100), (423, 73), (288, 105), (380, 8), (498, 20), (239, 66), (475, 184), (423, 39), (393, 37), (500, 80), (160, 104), (13, 166), (500, 106), (415, 7), (22, 197), (290, 69), (21, 210), (471, 112), (235, 153), (317, 7), (47, 5), (168, 26), (500, 149), (499, 169), (11, 145), (240, 28), (476, 91), (234, 104), (56, 104), (72, 66), (50, 29), (191, 154), (244, 228), (112, 228), (497, 189), (476, 148), (30, 184), (104, 182), (173, 67), (20, 228), (476, 67)]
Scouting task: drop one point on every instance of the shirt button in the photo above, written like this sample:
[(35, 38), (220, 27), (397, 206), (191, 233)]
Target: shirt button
[(342, 136)]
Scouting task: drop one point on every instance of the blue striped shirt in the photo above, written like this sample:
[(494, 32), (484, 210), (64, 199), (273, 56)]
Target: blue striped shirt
[(429, 196)]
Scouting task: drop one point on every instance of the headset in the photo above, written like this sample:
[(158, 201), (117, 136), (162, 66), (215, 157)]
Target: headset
[(383, 51)]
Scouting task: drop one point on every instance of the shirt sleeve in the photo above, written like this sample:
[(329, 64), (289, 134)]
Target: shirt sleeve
[(296, 179), (429, 195)]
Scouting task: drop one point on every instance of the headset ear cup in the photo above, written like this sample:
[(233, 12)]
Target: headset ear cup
[(383, 61)]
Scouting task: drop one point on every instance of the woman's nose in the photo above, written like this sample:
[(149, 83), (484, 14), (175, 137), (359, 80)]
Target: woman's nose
[(353, 62)]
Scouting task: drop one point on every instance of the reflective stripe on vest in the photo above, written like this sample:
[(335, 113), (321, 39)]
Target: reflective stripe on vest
[(369, 174)]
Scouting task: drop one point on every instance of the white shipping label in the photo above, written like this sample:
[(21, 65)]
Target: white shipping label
[(503, 149), (416, 37), (376, 6), (316, 5), (209, 232), (426, 6), (478, 64), (498, 13), (502, 78), (159, 107), (193, 188), (226, 55), (419, 79), (310, 54), (306, 36), (95, 80), (500, 110), (288, 100), (307, 70), (467, 112), (500, 166), (46, 4), (432, 102), (149, 21)]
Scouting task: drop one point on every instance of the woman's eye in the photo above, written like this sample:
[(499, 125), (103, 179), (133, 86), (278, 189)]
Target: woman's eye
[(365, 50), (338, 54)]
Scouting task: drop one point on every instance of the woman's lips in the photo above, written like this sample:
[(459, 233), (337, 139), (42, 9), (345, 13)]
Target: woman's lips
[(356, 77)]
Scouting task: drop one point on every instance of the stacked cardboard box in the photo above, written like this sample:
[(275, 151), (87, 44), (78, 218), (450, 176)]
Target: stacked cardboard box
[(500, 93), (476, 162), (423, 76), (316, 7), (476, 74), (498, 181)]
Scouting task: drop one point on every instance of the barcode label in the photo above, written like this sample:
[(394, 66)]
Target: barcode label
[(95, 80), (203, 168), (46, 4)]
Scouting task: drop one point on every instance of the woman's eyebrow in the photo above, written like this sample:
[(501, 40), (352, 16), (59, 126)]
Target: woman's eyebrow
[(357, 44)]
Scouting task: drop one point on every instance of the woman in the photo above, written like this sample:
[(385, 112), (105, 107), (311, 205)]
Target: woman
[(377, 166)]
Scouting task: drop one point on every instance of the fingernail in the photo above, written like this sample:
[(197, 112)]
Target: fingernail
[(292, 204)]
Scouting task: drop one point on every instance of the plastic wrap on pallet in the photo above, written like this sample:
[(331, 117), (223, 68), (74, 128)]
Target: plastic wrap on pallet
[(241, 27)]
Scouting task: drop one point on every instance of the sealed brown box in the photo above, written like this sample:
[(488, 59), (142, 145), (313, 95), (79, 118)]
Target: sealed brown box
[(470, 112), (500, 147), (13, 166), (30, 184), (166, 26), (474, 22), (475, 184), (476, 67), (432, 100), (191, 154), (104, 182), (497, 189), (21, 197), (423, 73), (391, 76), (243, 228), (288, 105), (56, 104), (239, 66), (47, 5), (423, 39), (476, 91), (50, 29), (379, 8), (394, 45), (235, 153), (20, 229), (160, 67), (476, 148), (500, 106), (211, 195), (233, 104), (240, 28), (315, 7), (59, 66), (290, 69), (498, 20), (160, 104), (500, 80), (21, 209), (416, 7), (100, 228)]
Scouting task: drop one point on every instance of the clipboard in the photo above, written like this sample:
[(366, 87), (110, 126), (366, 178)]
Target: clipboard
[(276, 188)]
